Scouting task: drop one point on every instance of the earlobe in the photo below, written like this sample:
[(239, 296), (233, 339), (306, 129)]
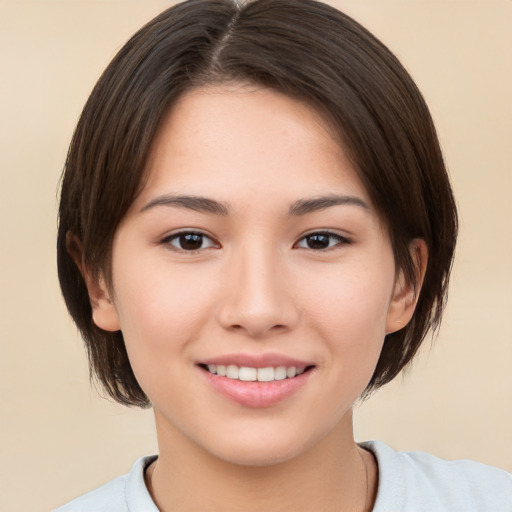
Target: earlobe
[(406, 293), (104, 312)]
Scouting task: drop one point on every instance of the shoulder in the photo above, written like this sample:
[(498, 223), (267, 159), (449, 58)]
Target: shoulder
[(127, 493), (108, 497), (424, 483)]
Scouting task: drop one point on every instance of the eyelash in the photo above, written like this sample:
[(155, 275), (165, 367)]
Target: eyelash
[(340, 240), (181, 237)]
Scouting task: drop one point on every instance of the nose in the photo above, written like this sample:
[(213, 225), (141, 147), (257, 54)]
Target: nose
[(258, 298)]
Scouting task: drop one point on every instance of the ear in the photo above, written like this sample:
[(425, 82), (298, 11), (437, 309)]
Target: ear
[(405, 293), (104, 312)]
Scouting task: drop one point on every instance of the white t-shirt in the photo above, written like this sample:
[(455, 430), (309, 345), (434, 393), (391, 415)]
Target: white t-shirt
[(408, 482)]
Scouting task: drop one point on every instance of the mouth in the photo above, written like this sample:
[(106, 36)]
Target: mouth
[(252, 374), (256, 380)]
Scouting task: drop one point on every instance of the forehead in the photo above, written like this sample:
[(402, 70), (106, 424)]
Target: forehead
[(227, 140)]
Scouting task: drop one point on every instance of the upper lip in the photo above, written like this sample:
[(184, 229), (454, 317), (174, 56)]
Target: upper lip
[(257, 360)]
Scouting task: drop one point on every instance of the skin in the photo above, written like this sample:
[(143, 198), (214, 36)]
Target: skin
[(254, 285)]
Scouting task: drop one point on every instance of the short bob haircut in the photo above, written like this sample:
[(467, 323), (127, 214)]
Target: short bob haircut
[(304, 49)]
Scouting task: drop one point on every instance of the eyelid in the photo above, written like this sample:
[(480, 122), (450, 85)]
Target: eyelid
[(166, 240), (342, 239)]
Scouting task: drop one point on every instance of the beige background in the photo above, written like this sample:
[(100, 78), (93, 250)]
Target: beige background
[(58, 439)]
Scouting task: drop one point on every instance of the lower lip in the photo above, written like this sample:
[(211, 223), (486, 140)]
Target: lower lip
[(257, 394)]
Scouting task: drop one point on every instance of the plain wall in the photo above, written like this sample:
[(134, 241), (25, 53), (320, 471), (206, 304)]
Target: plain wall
[(58, 438)]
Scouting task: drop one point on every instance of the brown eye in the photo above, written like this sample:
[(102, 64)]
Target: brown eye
[(189, 241), (321, 241), (318, 241)]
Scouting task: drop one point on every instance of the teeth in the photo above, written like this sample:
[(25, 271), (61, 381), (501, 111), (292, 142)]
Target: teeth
[(280, 373), (232, 372), (248, 374), (265, 374), (291, 372)]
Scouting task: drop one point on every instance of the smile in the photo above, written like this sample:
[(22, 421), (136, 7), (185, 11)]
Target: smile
[(256, 386), (249, 374)]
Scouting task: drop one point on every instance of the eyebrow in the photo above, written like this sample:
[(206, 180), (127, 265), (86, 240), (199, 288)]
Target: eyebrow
[(207, 205), (304, 206), (196, 203)]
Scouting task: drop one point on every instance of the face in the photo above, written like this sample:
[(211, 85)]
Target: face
[(252, 279)]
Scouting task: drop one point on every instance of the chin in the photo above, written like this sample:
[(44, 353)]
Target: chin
[(257, 458), (261, 450)]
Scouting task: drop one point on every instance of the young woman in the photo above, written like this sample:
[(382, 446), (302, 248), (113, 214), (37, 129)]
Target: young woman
[(256, 229)]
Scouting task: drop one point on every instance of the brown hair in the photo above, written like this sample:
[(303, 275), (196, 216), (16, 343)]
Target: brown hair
[(304, 49)]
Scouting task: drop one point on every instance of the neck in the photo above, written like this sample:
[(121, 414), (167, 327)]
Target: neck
[(334, 475)]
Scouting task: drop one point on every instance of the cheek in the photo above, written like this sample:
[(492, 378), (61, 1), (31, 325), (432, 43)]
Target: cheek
[(161, 307), (161, 313), (354, 301), (350, 313)]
